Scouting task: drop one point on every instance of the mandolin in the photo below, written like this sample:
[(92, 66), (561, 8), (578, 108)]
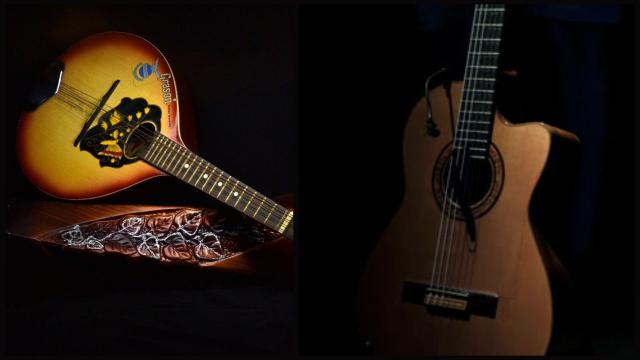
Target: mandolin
[(106, 116), (462, 268)]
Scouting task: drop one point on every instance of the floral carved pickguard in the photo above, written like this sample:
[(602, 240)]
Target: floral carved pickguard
[(179, 235)]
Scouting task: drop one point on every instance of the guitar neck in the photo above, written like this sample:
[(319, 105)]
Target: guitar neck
[(475, 119), (177, 160)]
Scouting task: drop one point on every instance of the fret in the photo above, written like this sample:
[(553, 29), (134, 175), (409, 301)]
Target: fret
[(285, 221), (481, 79), (486, 39), (492, 53), (479, 101), (249, 201), (480, 157), (164, 151), (170, 165), (261, 202), (476, 122), (491, 9), (269, 214), (478, 112), (222, 186), (195, 170), (167, 153), (483, 66), (184, 167), (175, 160), (473, 140), (206, 177), (238, 197), (232, 191), (474, 131), (155, 146), (489, 24), (476, 148)]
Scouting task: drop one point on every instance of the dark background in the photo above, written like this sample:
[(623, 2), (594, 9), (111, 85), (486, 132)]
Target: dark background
[(239, 65), (362, 68)]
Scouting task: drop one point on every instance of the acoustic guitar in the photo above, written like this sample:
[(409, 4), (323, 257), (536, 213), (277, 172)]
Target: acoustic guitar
[(459, 269), (106, 116)]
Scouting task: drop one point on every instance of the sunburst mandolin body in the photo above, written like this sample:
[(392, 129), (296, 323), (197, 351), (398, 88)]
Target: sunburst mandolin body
[(46, 135), (507, 260)]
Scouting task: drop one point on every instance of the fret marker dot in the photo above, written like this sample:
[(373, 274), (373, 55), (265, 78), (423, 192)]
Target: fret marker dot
[(186, 166), (205, 176), (220, 183), (235, 193)]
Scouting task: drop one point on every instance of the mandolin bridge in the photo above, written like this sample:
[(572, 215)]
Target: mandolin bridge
[(450, 302)]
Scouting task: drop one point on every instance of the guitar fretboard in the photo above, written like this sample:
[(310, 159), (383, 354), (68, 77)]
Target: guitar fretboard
[(475, 119), (180, 162)]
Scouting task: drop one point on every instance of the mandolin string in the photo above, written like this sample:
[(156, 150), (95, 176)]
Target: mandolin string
[(226, 178), (445, 203), (266, 204), (280, 210)]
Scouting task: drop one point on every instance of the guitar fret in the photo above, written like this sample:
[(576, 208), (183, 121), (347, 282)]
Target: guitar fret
[(493, 53), (474, 131), (490, 24), (477, 112), (483, 66), (481, 78)]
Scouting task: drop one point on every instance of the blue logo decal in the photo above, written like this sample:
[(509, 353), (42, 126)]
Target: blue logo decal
[(144, 70)]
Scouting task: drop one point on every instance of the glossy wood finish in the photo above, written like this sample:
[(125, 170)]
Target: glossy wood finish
[(45, 136), (508, 260)]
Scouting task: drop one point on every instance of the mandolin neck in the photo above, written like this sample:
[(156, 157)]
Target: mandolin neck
[(177, 160)]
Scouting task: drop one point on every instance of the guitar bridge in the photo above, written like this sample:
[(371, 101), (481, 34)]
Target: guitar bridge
[(450, 302)]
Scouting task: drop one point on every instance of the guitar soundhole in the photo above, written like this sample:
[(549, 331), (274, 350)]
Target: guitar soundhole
[(479, 187)]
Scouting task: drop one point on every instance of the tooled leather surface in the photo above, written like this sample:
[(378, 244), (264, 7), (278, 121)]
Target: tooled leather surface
[(198, 236)]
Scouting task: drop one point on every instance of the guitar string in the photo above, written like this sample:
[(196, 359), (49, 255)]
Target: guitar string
[(464, 125), (268, 204), (493, 17), (445, 202), (489, 17)]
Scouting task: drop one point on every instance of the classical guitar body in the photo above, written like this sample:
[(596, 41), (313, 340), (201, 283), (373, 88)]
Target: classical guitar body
[(505, 259), (46, 135)]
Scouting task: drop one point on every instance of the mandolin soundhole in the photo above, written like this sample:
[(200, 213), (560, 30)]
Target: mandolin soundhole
[(479, 186)]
